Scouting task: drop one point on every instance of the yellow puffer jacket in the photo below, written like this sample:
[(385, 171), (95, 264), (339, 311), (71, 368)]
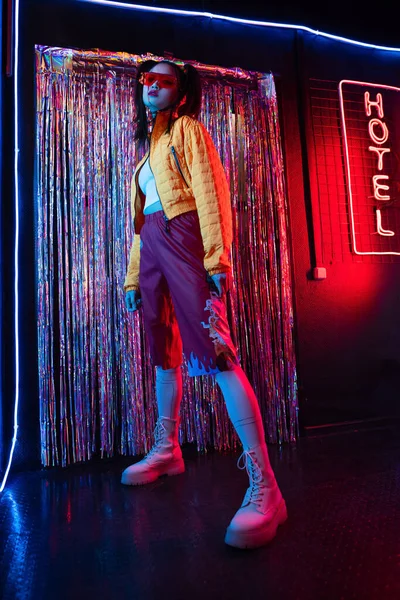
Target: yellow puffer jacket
[(189, 176)]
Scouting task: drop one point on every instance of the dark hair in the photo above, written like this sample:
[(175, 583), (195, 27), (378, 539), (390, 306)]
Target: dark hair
[(189, 91)]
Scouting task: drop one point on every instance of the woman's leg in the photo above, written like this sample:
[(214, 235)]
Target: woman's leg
[(208, 346), (263, 507), (169, 398), (168, 392), (242, 406), (165, 457)]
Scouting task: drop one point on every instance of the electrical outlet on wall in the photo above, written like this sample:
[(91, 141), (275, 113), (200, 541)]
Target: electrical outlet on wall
[(319, 273)]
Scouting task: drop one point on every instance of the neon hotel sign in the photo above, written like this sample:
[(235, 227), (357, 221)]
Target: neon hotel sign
[(370, 116)]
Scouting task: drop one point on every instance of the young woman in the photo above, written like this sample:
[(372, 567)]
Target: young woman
[(179, 270)]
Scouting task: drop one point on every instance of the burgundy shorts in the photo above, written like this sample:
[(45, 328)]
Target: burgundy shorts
[(181, 312)]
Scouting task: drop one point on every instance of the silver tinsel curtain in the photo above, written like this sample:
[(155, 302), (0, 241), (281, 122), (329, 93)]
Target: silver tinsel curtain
[(96, 382)]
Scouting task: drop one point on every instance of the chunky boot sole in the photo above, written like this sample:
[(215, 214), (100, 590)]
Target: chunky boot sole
[(173, 468), (259, 537)]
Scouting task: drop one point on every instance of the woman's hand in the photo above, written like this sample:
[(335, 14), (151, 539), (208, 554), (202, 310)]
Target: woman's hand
[(132, 300), (222, 282)]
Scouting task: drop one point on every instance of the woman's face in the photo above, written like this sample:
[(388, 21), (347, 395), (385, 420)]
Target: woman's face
[(160, 92)]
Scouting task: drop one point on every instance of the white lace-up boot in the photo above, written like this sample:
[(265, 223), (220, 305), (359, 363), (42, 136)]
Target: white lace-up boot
[(263, 507), (165, 457)]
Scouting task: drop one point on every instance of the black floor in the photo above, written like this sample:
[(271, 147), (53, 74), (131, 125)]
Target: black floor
[(77, 533)]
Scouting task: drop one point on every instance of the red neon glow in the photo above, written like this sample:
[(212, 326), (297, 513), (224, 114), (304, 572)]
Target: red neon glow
[(369, 103), (380, 186), (351, 185), (371, 125), (381, 231), (380, 152)]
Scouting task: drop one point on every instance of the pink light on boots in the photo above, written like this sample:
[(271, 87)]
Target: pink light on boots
[(263, 508), (165, 457)]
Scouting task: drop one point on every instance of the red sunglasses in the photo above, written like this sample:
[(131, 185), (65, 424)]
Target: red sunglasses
[(164, 81)]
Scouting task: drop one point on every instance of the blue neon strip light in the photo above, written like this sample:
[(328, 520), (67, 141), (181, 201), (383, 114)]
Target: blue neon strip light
[(16, 249), (193, 13)]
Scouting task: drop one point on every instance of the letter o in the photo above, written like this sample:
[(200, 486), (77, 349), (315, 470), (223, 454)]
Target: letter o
[(371, 128)]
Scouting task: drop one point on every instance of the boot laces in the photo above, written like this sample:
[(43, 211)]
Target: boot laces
[(248, 460), (158, 438)]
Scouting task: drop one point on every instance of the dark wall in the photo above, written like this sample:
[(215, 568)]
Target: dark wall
[(339, 348), (348, 324)]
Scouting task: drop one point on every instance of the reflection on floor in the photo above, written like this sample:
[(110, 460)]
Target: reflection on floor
[(76, 533)]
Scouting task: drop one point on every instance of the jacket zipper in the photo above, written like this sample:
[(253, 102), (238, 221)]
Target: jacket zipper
[(178, 165)]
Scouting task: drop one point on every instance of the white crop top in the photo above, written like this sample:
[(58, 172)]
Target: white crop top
[(147, 184)]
